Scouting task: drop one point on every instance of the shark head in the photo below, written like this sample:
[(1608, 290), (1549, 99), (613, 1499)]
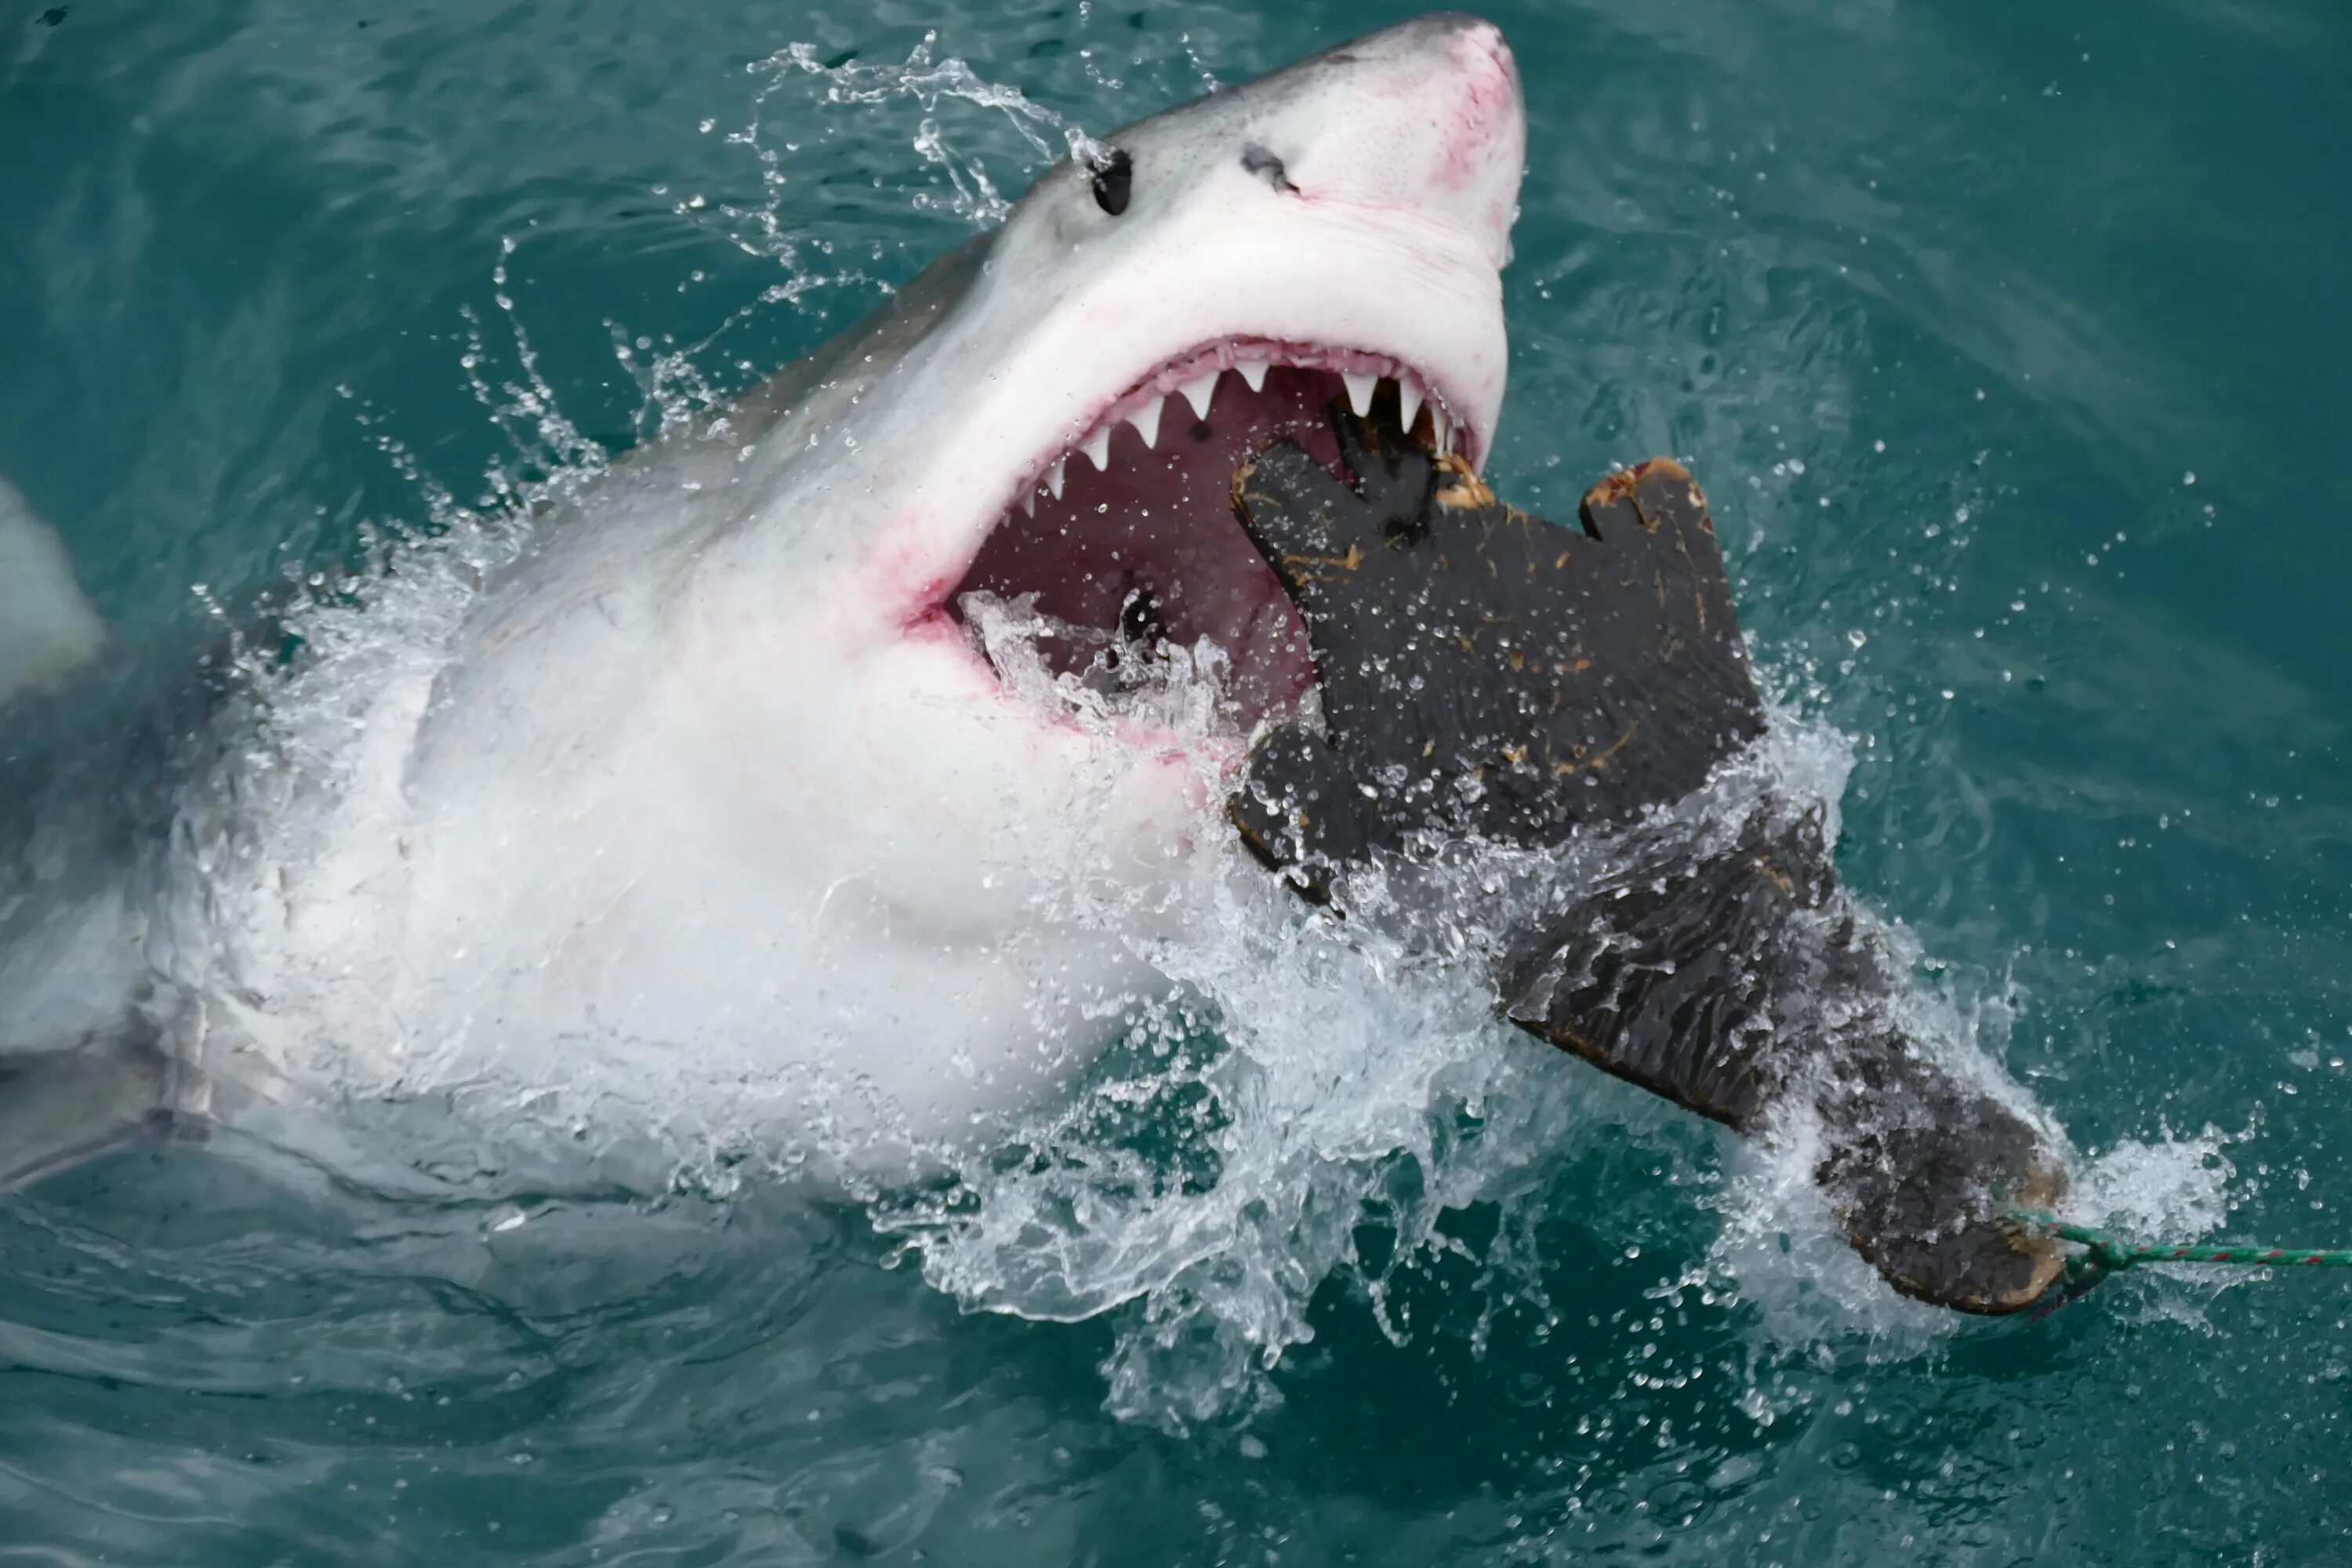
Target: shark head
[(1209, 280), (1053, 414), (774, 782)]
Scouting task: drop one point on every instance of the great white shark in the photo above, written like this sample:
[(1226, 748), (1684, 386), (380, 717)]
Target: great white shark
[(720, 764)]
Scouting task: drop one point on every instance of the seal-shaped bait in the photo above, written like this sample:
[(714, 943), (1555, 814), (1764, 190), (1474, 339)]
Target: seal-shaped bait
[(1488, 674)]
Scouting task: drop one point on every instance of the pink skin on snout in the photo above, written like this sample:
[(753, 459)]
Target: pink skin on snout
[(1485, 107)]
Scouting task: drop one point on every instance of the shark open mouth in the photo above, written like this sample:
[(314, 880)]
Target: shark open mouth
[(1125, 545)]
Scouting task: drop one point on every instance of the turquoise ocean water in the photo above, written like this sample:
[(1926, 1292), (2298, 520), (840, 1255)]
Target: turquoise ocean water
[(2011, 344)]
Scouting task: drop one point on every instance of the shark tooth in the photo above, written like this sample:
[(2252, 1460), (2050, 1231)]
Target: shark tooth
[(1408, 401), (1029, 504), (1146, 420), (1198, 393), (1097, 448), (1445, 426), (1359, 391), (1054, 477), (1252, 370)]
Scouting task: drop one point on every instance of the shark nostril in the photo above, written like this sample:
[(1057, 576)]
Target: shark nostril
[(1256, 160)]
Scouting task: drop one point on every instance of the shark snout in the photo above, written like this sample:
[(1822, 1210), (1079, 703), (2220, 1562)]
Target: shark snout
[(1432, 120), (1484, 61), (1484, 142)]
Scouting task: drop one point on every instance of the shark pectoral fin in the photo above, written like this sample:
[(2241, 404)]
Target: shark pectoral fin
[(59, 1107), (47, 628)]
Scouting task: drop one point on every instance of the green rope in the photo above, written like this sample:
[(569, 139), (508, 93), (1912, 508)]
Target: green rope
[(2109, 1255)]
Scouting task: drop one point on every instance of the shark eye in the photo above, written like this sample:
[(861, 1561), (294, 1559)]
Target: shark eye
[(1114, 182)]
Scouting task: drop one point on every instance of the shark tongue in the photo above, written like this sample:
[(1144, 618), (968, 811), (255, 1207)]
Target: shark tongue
[(1147, 548)]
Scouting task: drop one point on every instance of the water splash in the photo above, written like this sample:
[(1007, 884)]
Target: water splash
[(1126, 684), (976, 195), (1312, 1077)]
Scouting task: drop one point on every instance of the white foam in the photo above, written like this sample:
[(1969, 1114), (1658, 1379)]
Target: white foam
[(2174, 1189)]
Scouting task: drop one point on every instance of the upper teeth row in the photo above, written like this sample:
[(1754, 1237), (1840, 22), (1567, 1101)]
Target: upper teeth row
[(1143, 411)]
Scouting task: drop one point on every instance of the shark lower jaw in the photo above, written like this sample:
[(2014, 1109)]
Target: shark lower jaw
[(1124, 542)]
